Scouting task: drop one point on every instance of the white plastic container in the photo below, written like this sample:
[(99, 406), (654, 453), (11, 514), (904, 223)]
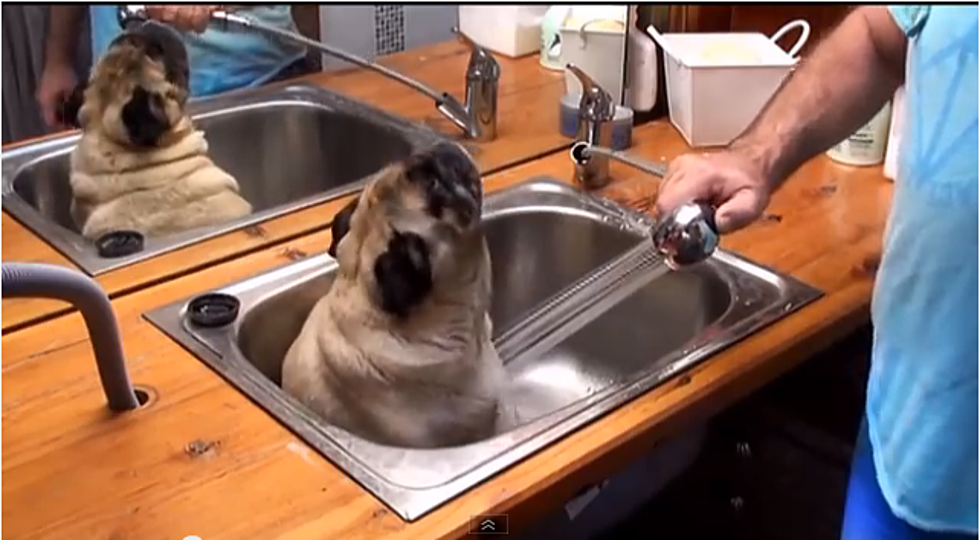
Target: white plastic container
[(866, 146), (511, 30), (594, 39), (717, 83)]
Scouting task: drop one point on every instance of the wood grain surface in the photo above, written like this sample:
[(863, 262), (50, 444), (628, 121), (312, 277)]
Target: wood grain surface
[(201, 459), (527, 129)]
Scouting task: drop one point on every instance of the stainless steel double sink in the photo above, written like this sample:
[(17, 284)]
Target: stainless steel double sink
[(289, 148), (586, 318)]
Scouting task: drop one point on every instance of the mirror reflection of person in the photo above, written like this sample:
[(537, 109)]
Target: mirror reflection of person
[(220, 60), (914, 475)]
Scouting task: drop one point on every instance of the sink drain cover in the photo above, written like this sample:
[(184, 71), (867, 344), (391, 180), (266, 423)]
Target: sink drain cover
[(119, 243), (214, 309)]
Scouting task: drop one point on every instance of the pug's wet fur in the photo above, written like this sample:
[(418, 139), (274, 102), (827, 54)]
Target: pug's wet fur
[(140, 163), (399, 350)]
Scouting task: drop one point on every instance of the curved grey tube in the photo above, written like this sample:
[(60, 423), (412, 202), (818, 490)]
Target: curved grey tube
[(30, 280)]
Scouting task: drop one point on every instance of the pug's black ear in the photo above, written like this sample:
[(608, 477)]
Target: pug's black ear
[(144, 118), (403, 274), (340, 227)]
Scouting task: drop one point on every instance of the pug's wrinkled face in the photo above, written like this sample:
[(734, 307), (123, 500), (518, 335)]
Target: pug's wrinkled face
[(138, 89), (414, 228)]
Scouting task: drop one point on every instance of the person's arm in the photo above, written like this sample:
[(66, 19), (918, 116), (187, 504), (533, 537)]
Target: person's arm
[(185, 17), (64, 30), (835, 91), (58, 78), (191, 17)]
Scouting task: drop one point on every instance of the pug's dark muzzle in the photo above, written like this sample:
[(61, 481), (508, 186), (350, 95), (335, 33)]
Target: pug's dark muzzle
[(162, 44), (450, 181), (448, 178), (154, 40), (144, 114)]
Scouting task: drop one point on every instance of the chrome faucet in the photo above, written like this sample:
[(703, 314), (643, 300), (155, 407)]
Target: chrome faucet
[(686, 235), (477, 118), (596, 111), (482, 86)]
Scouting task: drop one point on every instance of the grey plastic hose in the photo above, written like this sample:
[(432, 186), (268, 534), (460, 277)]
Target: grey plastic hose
[(32, 280)]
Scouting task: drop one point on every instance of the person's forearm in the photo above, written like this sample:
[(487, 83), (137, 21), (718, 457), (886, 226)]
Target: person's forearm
[(844, 83), (64, 29)]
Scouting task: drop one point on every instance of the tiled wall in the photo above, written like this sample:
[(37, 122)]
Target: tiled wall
[(389, 28), (372, 30)]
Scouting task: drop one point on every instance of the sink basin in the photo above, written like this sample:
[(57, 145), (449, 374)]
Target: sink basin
[(288, 147), (586, 318)]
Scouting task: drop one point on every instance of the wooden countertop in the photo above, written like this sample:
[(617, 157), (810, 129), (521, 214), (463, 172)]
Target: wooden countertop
[(201, 459), (527, 128)]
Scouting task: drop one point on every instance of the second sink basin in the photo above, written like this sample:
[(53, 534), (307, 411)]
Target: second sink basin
[(585, 318), (288, 147)]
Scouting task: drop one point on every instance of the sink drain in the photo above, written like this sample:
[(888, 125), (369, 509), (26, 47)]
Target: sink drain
[(212, 310), (119, 244)]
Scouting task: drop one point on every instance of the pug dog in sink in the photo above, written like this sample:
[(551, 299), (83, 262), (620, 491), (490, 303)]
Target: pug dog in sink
[(399, 350), (140, 163)]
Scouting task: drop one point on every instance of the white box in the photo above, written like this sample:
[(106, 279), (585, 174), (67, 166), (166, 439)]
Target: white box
[(511, 30), (717, 83)]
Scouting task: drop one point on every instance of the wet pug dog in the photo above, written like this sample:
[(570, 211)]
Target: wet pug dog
[(399, 350), (140, 163)]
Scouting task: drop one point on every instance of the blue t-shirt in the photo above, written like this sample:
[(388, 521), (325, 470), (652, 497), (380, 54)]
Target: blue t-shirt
[(922, 393), (220, 60)]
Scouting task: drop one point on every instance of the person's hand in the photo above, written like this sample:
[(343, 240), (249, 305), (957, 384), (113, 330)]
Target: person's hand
[(185, 17), (730, 181), (57, 82)]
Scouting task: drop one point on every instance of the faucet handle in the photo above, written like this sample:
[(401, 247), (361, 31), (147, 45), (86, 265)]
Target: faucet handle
[(482, 66), (596, 104)]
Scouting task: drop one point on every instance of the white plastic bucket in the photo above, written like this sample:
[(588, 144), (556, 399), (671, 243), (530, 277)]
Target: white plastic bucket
[(595, 41), (717, 83)]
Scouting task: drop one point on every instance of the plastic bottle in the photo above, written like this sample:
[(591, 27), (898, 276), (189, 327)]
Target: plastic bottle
[(642, 71), (866, 146), (895, 135)]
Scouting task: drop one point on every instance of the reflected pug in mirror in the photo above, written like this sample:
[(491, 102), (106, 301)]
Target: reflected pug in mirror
[(140, 163), (399, 350)]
